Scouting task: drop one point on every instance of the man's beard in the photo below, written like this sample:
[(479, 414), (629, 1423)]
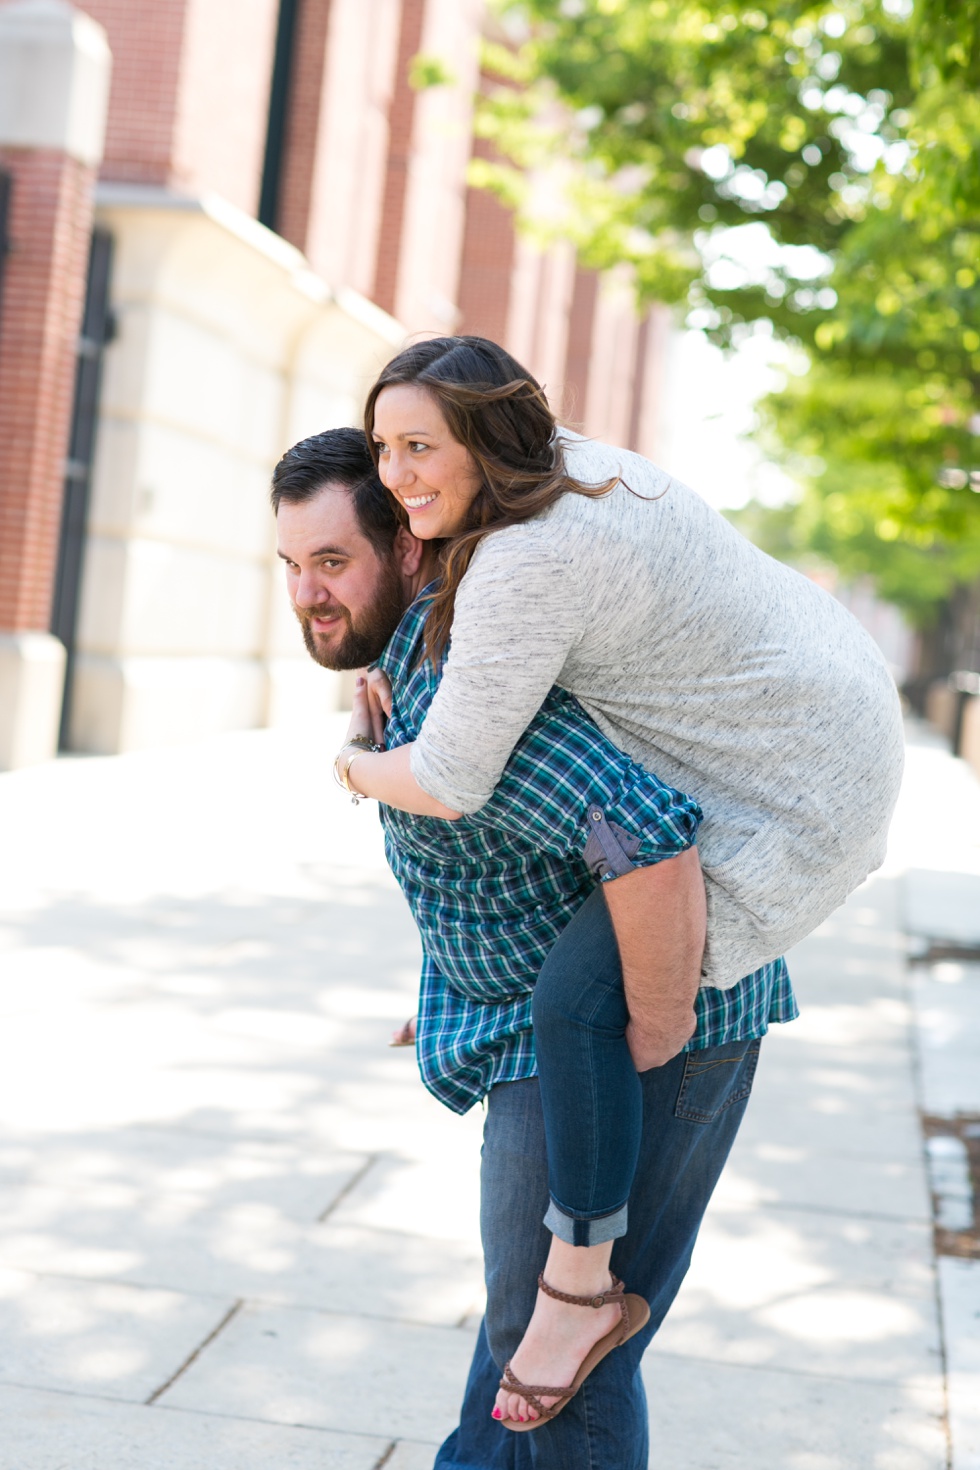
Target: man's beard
[(365, 640)]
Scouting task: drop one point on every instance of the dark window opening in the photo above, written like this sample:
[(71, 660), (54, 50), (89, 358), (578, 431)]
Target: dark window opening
[(275, 138), (97, 331), (6, 184)]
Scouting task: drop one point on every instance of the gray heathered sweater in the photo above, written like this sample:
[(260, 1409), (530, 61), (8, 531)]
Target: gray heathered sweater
[(725, 673)]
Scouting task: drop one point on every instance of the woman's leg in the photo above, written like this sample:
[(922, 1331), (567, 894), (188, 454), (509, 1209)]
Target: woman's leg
[(590, 1090), (592, 1103)]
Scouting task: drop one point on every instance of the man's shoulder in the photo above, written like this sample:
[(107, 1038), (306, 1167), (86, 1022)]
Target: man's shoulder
[(405, 646)]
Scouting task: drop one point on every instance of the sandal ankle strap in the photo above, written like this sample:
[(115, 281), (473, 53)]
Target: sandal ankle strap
[(612, 1296)]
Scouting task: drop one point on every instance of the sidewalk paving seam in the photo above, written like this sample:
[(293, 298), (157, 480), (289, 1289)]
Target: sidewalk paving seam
[(204, 1296), (273, 1423), (73, 1393), (190, 1410), (286, 1306), (348, 1188), (947, 1418), (252, 1300), (192, 1357)]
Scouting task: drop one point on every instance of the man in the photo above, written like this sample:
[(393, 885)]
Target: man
[(354, 576)]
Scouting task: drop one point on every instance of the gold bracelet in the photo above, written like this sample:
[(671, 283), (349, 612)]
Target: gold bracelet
[(355, 796), (357, 745)]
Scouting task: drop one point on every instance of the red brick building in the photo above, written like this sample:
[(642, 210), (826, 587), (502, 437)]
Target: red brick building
[(276, 209)]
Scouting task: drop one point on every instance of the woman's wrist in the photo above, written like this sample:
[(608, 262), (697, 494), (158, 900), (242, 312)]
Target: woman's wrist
[(355, 793), (354, 746)]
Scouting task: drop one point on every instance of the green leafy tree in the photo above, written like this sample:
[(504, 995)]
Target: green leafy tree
[(849, 132)]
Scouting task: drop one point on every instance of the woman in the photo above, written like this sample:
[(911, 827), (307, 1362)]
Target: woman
[(571, 563)]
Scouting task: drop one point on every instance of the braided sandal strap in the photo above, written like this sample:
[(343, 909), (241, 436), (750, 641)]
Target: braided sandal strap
[(529, 1392), (614, 1295)]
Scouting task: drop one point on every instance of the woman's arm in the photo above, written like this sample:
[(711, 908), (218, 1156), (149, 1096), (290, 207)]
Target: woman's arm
[(519, 613), (386, 775)]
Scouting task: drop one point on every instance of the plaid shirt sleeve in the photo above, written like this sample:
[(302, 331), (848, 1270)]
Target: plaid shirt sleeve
[(565, 777)]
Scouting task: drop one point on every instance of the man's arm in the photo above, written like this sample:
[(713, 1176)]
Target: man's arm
[(659, 917)]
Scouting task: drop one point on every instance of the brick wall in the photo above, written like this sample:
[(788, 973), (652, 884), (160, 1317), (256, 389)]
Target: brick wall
[(190, 92), (579, 351), (609, 402), (303, 121), (401, 128), (551, 322), (646, 426), (426, 184), (147, 49), (44, 287), (347, 185), (223, 98), (487, 264)]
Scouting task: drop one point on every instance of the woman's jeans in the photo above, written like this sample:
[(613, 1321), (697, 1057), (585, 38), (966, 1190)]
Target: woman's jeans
[(691, 1109), (590, 1090)]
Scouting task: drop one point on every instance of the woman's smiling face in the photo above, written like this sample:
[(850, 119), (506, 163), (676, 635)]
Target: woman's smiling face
[(428, 471)]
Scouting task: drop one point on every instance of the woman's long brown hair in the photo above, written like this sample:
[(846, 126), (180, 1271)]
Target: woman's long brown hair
[(499, 413)]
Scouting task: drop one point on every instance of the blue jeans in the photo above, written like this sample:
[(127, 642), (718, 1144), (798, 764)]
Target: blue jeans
[(691, 1109), (590, 1090)]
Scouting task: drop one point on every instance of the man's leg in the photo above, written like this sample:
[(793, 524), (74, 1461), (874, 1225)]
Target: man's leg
[(691, 1111)]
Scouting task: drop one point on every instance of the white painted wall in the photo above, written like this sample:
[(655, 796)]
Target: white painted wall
[(55, 67), (229, 350)]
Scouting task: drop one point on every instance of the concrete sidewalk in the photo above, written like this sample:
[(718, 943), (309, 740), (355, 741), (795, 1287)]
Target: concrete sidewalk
[(236, 1234)]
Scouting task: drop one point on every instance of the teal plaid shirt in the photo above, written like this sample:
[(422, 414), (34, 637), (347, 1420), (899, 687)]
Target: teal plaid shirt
[(492, 892)]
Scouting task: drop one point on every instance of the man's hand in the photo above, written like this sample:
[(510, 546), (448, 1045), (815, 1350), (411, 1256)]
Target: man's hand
[(386, 775), (372, 705), (658, 914), (379, 693), (405, 1034)]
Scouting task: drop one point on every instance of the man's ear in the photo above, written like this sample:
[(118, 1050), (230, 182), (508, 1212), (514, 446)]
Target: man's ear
[(409, 551)]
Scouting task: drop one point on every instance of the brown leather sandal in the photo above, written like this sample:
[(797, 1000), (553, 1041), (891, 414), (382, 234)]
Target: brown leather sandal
[(634, 1315)]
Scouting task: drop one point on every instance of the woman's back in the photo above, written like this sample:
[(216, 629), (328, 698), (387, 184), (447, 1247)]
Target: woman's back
[(729, 674)]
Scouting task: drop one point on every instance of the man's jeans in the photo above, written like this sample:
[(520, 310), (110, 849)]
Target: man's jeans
[(691, 1111)]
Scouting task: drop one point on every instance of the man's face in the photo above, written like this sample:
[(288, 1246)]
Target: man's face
[(348, 598)]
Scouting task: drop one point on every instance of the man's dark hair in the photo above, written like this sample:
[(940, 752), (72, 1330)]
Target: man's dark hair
[(339, 457)]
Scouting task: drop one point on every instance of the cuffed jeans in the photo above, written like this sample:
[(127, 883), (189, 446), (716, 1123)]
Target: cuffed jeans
[(691, 1109), (590, 1090)]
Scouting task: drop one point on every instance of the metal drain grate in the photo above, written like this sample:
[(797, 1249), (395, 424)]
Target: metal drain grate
[(953, 1155), (926, 951)]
